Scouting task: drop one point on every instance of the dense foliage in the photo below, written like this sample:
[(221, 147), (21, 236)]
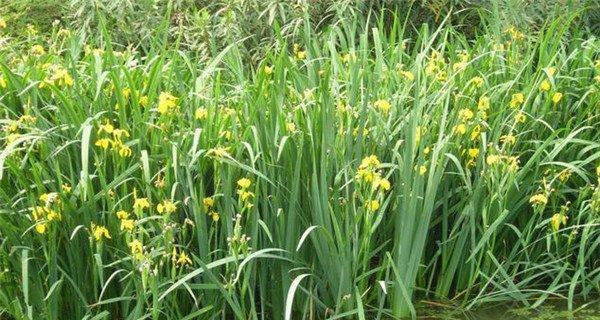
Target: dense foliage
[(354, 169)]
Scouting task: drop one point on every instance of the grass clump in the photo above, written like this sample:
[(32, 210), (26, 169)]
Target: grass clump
[(348, 173)]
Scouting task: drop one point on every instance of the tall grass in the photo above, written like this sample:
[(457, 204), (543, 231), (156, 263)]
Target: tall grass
[(241, 191)]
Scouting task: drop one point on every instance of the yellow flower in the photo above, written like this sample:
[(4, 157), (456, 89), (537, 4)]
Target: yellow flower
[(492, 159), (218, 152), (106, 127), (2, 23), (268, 69), (382, 105), (465, 114), (551, 71), (516, 100), (122, 214), (422, 170), (408, 75), (290, 127), (538, 199), (556, 97), (125, 151), (137, 249), (460, 129), (127, 224), (40, 228), (473, 152), (382, 183), (215, 216), (557, 220), (246, 195), (508, 139), (545, 85), (483, 104), (520, 117), (475, 133), (167, 206), (244, 183), (37, 50), (477, 81), (103, 143), (208, 203), (49, 198), (365, 175), (100, 232), (141, 204), (201, 113), (183, 259), (166, 103), (3, 82), (143, 101), (564, 175), (66, 188), (371, 162), (372, 205)]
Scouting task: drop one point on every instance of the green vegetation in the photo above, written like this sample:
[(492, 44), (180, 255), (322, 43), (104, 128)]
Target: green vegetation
[(343, 170)]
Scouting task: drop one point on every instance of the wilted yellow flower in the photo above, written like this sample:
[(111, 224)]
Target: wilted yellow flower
[(383, 105), (167, 206), (166, 103), (556, 97), (492, 159), (422, 170), (2, 23), (516, 100), (201, 113), (551, 71), (372, 205), (100, 232), (564, 175), (538, 199), (557, 220), (520, 117), (508, 139), (545, 85), (244, 183)]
